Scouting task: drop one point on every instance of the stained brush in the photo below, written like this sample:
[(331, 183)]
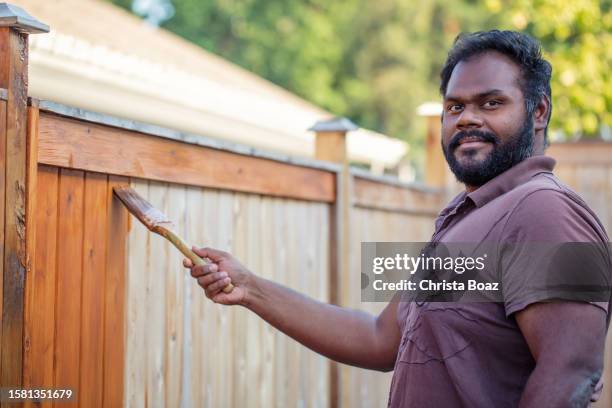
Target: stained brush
[(157, 222)]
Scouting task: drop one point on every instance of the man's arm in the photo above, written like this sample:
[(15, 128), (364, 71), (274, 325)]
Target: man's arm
[(567, 341), (347, 336)]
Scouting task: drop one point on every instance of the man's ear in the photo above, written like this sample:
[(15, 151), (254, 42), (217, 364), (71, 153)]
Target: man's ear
[(541, 113)]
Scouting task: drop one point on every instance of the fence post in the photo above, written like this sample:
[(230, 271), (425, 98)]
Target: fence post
[(331, 146), (435, 163), (15, 26)]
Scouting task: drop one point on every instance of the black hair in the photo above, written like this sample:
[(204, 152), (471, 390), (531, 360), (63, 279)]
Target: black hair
[(521, 48)]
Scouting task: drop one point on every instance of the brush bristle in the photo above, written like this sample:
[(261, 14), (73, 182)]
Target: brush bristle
[(140, 208)]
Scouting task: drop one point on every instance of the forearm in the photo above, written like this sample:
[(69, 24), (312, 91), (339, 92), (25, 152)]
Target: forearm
[(570, 385), (344, 335)]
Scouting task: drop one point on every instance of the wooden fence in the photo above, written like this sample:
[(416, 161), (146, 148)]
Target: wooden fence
[(93, 302)]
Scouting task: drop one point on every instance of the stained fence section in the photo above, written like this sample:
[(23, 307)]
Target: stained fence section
[(193, 352), (75, 325)]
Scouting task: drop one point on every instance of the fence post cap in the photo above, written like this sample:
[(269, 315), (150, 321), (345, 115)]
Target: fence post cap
[(17, 18), (333, 125)]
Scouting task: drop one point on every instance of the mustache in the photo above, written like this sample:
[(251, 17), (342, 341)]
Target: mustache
[(482, 135)]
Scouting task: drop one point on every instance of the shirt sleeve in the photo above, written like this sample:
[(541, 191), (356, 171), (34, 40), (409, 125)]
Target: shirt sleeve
[(552, 249)]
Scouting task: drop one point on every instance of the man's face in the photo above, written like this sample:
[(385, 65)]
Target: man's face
[(485, 129)]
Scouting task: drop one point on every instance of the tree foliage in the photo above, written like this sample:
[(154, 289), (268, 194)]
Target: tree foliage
[(376, 61)]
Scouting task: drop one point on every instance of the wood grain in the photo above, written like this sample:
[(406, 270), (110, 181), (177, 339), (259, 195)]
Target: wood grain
[(75, 144), (41, 287), (2, 208), (196, 385), (331, 146), (435, 163), (13, 77), (174, 287), (137, 312), (68, 296), (156, 306), (31, 224), (221, 362), (388, 197), (114, 292), (254, 356), (240, 382), (93, 289), (593, 153)]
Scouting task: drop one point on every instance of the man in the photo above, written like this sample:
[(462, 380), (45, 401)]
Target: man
[(520, 352)]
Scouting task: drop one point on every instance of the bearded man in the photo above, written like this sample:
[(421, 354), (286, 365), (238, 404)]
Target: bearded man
[(526, 350)]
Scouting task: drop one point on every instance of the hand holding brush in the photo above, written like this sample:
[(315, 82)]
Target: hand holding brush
[(159, 223)]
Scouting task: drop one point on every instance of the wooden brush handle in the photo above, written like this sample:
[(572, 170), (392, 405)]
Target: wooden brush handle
[(186, 250)]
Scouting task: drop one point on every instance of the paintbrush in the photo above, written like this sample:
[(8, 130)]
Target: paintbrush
[(157, 222)]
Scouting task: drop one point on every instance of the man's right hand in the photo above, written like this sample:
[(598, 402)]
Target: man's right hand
[(222, 270)]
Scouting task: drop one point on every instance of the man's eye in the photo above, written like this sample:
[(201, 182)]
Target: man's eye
[(454, 108), (491, 104)]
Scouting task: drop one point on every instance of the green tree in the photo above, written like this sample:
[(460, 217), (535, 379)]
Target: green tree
[(376, 61), (577, 39)]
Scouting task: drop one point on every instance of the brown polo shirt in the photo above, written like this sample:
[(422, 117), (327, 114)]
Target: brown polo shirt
[(473, 354)]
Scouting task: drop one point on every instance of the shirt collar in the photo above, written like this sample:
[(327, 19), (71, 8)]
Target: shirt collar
[(512, 178)]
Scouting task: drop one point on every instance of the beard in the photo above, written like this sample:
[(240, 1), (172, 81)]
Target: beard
[(501, 158)]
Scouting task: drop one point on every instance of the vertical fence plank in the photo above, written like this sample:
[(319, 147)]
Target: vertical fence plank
[(253, 326), (266, 270), (137, 312), (2, 209), (240, 382), (281, 380), (115, 291), (188, 310), (93, 285), (294, 395), (324, 292), (174, 286), (69, 261), (40, 323), (156, 306), (303, 278), (199, 385), (31, 224), (227, 362)]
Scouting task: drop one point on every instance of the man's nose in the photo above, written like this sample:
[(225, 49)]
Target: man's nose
[(469, 119)]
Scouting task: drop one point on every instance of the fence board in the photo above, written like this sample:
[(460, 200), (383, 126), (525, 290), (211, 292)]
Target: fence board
[(256, 384), (226, 361), (77, 144), (280, 275), (138, 316), (2, 210), (239, 318), (69, 260), (198, 384), (174, 287), (114, 288), (40, 312), (156, 306), (266, 270), (94, 274), (31, 220)]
